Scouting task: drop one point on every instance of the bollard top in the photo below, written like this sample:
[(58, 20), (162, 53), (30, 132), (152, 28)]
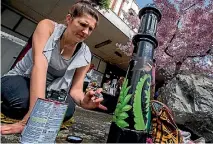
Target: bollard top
[(150, 8)]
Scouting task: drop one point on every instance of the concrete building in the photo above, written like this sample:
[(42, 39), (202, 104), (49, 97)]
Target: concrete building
[(20, 17)]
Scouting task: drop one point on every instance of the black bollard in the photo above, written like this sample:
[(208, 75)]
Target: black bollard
[(132, 116)]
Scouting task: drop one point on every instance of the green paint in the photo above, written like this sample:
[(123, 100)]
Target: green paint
[(122, 106), (137, 106)]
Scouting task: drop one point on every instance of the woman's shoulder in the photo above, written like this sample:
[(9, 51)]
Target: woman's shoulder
[(56, 29), (47, 23)]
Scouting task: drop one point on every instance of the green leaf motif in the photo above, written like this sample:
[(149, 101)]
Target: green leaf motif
[(126, 108), (126, 92), (122, 107), (118, 106), (126, 100), (116, 111), (123, 88), (125, 84), (122, 123), (123, 115), (137, 110)]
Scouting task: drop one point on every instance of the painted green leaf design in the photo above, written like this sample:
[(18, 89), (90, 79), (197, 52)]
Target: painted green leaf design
[(122, 107), (126, 108), (122, 123), (120, 96), (123, 89), (125, 84), (123, 115), (118, 106), (116, 111), (126, 92), (137, 110), (126, 100)]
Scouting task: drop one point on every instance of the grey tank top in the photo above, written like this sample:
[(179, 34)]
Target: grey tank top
[(60, 71), (58, 65)]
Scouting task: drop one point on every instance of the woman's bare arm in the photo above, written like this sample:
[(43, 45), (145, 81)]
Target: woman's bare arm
[(88, 100), (76, 90), (38, 76)]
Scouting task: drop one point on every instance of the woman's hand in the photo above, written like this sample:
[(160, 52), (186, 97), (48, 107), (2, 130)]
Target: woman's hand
[(90, 101), (12, 128)]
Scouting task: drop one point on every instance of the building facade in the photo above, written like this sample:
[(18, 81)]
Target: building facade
[(19, 20)]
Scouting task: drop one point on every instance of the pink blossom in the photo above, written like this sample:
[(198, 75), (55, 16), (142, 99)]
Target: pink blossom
[(184, 32)]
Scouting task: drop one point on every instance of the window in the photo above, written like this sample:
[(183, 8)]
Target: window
[(15, 32), (102, 67), (16, 24), (99, 64), (26, 27), (9, 18), (95, 61)]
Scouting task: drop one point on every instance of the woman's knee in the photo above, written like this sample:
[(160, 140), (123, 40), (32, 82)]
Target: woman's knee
[(15, 91)]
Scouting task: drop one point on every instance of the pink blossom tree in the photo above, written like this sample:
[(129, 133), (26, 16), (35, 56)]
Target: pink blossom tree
[(185, 35)]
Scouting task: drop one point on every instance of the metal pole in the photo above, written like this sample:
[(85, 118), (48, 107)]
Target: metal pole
[(132, 116)]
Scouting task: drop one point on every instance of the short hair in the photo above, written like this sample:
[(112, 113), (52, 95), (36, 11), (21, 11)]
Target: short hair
[(83, 7)]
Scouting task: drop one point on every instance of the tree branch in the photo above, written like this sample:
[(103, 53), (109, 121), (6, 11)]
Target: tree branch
[(203, 55), (190, 6), (173, 37), (166, 49)]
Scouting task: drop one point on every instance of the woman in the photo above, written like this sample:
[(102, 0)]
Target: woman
[(106, 86), (58, 60)]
